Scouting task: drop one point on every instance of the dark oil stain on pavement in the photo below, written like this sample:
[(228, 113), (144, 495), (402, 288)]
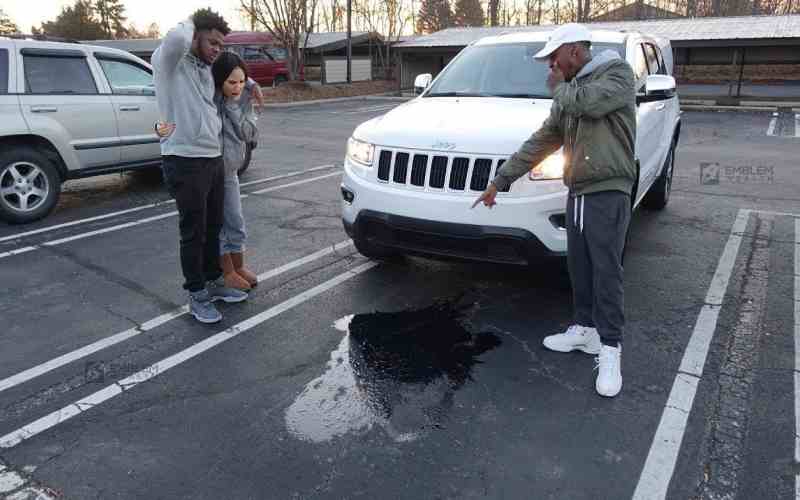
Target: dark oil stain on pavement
[(398, 371)]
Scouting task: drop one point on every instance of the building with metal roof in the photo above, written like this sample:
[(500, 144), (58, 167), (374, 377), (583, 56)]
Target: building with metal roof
[(720, 49), (322, 49)]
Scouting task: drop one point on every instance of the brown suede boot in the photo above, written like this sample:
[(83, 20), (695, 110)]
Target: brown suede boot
[(229, 274), (238, 265)]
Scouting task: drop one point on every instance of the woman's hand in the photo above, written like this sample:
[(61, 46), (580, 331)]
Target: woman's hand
[(164, 129), (258, 97)]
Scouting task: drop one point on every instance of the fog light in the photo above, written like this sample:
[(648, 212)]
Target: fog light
[(347, 195), (559, 221)]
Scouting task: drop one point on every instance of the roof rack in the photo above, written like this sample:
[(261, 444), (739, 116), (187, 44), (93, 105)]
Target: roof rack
[(41, 37)]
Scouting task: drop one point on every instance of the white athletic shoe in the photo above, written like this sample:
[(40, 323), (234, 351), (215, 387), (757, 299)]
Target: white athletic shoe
[(582, 338), (609, 375)]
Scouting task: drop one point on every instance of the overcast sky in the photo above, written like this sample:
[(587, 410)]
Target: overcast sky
[(27, 13)]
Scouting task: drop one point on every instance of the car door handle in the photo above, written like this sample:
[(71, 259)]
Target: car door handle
[(660, 106), (44, 109), (129, 108)]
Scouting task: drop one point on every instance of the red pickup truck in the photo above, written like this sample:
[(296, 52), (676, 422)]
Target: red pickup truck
[(266, 60)]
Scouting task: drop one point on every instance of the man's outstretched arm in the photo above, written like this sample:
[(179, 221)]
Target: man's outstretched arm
[(533, 151)]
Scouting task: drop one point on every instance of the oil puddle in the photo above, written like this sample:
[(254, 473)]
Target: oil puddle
[(397, 371)]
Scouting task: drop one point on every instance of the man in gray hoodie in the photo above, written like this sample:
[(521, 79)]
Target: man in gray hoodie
[(192, 155), (593, 117)]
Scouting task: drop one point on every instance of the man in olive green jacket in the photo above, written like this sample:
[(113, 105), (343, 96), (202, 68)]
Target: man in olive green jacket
[(593, 117)]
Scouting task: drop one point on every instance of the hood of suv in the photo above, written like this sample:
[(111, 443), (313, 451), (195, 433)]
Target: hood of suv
[(475, 125)]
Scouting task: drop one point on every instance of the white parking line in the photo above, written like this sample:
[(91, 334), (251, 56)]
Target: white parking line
[(297, 183), (797, 354), (284, 176), (770, 212), (59, 416), (146, 220), (150, 205), (18, 251), (660, 464), (107, 342), (772, 124)]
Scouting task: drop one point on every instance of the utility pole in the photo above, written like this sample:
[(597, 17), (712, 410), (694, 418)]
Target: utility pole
[(349, 41)]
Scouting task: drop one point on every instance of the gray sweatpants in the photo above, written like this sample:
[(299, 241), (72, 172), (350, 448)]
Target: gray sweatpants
[(597, 224)]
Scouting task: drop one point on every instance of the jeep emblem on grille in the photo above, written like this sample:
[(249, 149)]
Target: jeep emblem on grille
[(448, 146)]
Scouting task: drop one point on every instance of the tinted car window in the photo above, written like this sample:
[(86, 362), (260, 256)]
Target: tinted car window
[(254, 54), (278, 53), (662, 67), (652, 59), (639, 65), (127, 78), (58, 75), (3, 71)]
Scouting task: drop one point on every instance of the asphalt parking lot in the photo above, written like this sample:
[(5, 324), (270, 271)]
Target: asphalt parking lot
[(346, 378)]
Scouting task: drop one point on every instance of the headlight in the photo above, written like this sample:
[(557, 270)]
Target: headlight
[(360, 151), (551, 168)]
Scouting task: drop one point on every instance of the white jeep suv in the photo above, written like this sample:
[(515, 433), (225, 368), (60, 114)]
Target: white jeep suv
[(411, 175)]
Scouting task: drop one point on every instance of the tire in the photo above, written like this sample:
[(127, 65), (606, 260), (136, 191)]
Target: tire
[(248, 155), (30, 185), (658, 196), (279, 80), (375, 252)]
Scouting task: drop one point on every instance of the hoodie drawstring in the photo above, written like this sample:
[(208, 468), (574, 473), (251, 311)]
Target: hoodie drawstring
[(577, 215)]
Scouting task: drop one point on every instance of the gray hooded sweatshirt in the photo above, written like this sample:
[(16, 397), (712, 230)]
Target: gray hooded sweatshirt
[(185, 96), (238, 127)]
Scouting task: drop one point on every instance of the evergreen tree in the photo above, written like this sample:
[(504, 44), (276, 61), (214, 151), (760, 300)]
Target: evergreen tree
[(468, 13), (434, 15)]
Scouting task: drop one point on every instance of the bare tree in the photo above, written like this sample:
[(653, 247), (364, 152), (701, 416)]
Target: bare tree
[(287, 21), (494, 9), (153, 31)]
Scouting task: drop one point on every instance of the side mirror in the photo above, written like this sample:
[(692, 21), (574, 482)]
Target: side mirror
[(657, 88), (421, 82)]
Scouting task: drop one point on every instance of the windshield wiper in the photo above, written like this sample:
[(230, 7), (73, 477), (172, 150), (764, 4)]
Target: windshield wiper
[(522, 96), (458, 94)]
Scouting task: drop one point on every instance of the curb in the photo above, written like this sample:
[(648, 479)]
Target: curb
[(701, 107), (371, 97), (777, 104)]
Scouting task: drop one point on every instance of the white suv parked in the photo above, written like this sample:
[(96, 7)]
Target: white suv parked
[(411, 175)]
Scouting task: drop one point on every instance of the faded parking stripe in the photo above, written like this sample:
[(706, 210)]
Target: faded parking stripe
[(107, 342), (146, 220), (663, 455), (59, 416)]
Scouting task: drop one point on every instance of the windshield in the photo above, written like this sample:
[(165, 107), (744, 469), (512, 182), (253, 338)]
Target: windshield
[(507, 70)]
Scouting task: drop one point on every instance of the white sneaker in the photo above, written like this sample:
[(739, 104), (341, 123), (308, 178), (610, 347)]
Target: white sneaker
[(582, 338), (609, 376)]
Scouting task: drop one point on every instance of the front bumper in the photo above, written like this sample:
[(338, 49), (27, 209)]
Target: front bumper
[(520, 228), (448, 240)]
